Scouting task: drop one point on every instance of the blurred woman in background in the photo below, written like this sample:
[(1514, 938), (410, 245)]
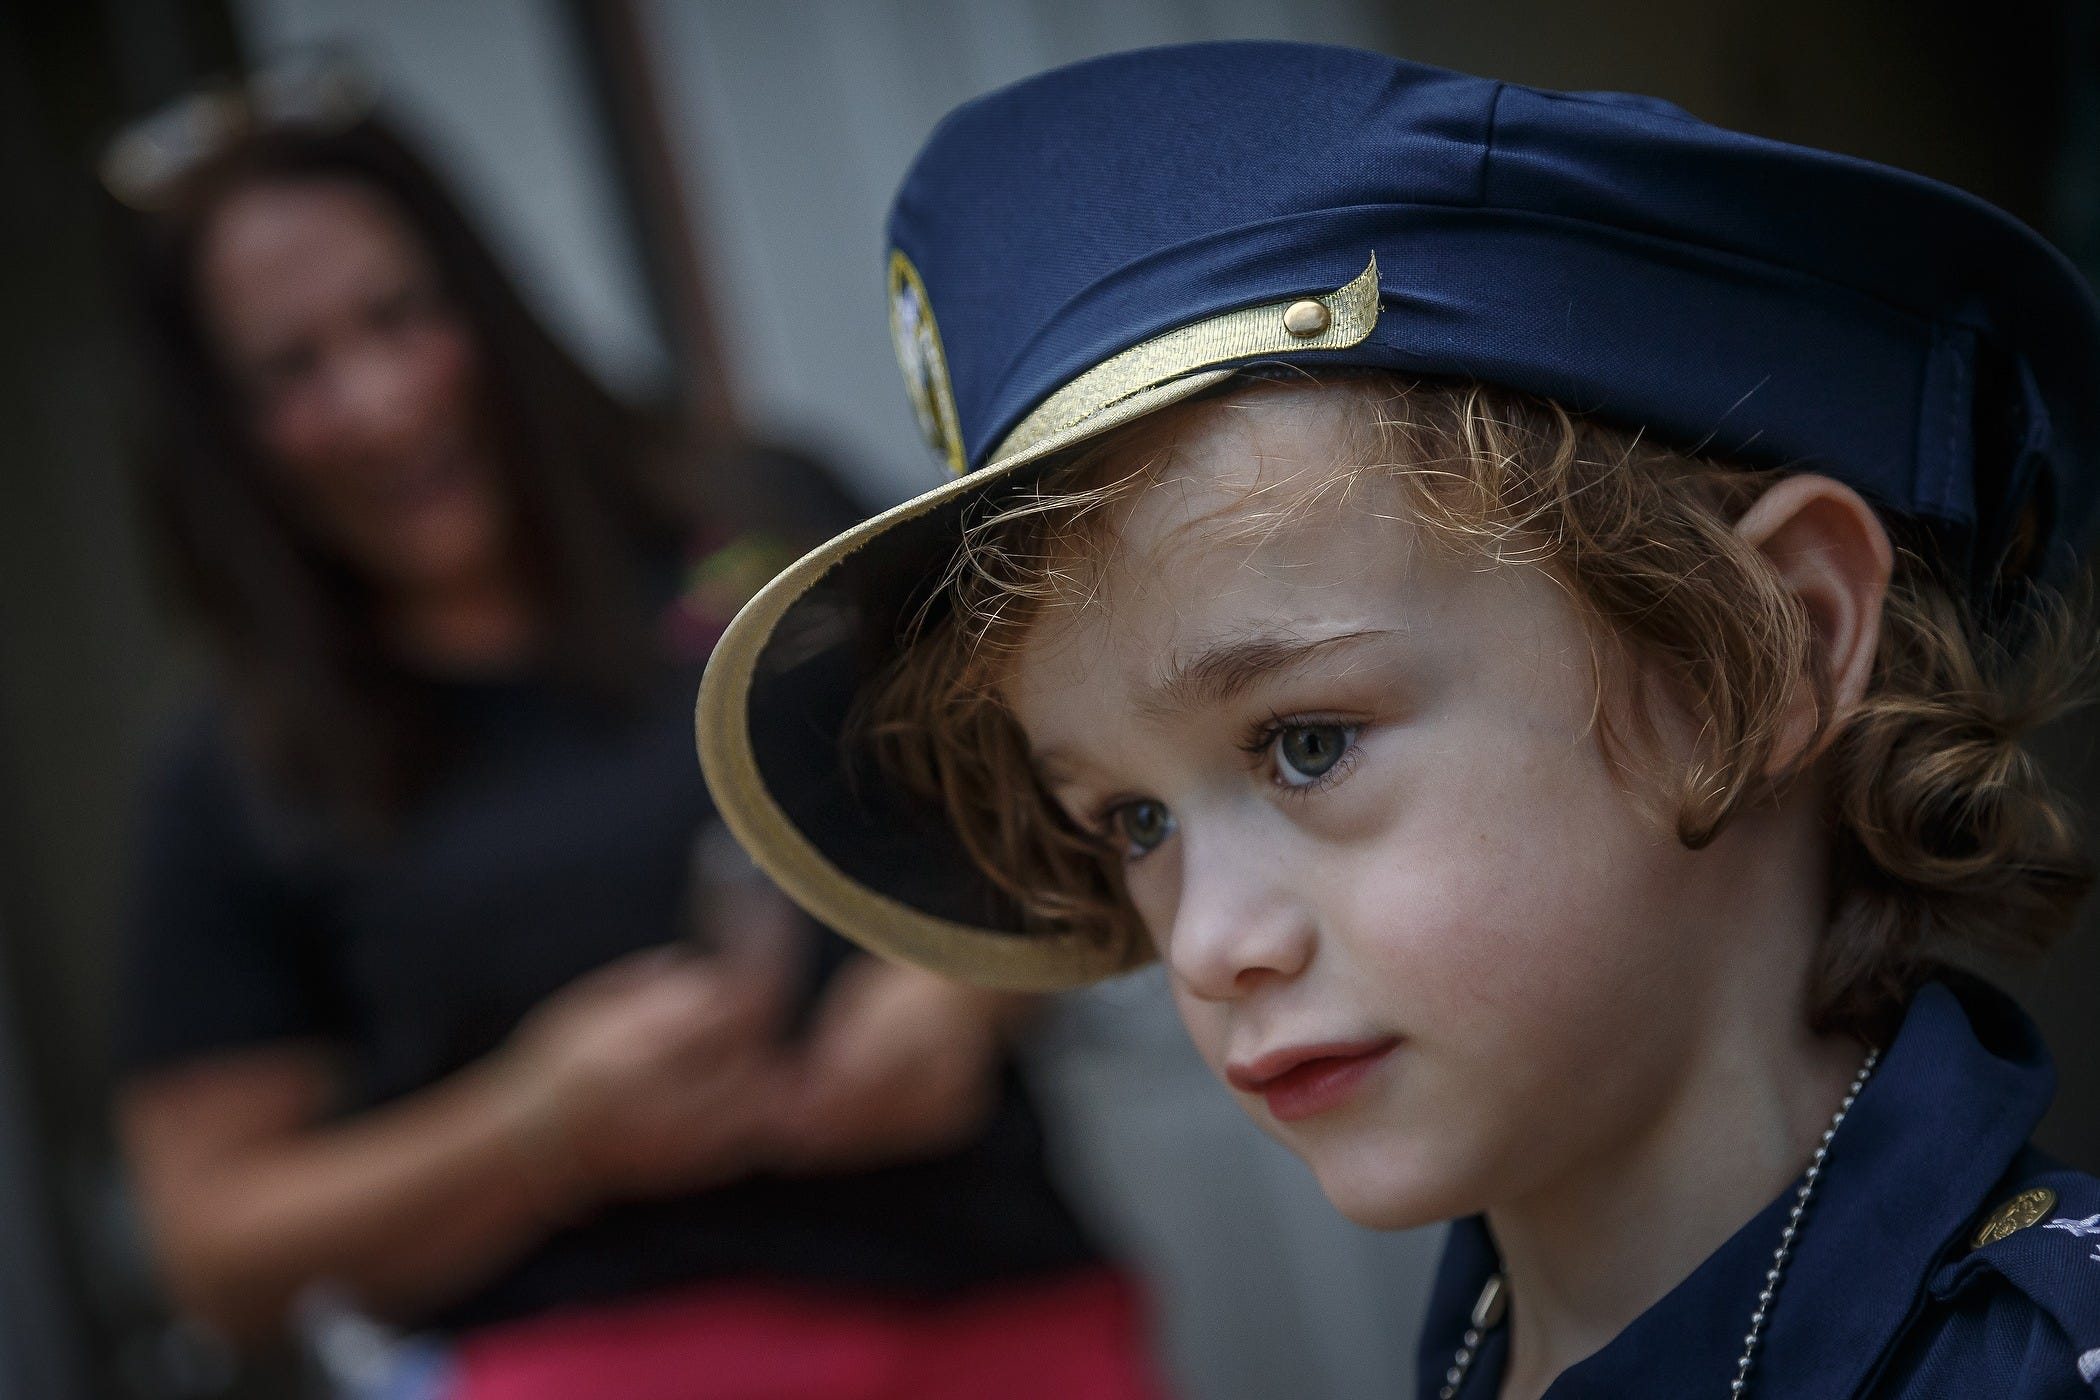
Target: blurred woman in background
[(408, 1016)]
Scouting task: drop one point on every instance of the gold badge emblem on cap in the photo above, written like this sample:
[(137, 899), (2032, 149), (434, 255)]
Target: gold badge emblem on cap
[(918, 343), (2015, 1215)]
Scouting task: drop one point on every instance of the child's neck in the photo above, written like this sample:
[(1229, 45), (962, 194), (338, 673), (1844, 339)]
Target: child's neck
[(1596, 1246)]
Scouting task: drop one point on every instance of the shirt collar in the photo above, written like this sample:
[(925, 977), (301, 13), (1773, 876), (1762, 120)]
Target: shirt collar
[(1951, 1106)]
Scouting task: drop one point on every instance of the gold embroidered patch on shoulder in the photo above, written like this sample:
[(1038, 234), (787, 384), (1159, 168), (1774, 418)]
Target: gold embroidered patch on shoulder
[(2014, 1216), (918, 343)]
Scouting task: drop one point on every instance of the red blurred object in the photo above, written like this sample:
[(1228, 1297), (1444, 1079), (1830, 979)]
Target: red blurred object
[(1076, 1337)]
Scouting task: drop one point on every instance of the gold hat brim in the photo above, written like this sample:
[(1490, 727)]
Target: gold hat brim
[(1142, 380)]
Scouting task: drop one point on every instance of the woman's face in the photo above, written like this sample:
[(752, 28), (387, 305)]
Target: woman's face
[(1407, 911), (359, 378)]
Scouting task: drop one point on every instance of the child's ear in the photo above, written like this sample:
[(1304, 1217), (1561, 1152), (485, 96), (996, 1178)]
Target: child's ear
[(1830, 550)]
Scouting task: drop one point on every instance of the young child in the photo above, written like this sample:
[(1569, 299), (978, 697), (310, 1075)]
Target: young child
[(1526, 603)]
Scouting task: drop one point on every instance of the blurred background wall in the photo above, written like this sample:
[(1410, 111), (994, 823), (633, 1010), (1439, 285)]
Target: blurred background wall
[(692, 191)]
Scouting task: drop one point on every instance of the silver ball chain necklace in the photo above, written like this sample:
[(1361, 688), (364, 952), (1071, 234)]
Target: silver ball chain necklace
[(1494, 1297)]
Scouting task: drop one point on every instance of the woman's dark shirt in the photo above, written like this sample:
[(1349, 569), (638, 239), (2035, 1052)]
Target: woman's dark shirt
[(558, 838)]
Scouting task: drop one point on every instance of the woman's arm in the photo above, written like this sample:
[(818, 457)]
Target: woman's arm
[(645, 1078), (248, 1200)]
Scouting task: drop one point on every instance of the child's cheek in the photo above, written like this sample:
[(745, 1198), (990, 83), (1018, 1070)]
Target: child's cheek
[(1499, 880), (1521, 925)]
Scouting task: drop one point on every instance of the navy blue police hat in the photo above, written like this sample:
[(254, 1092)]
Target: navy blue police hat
[(1083, 247)]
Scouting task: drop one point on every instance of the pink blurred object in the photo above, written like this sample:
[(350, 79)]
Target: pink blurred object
[(1079, 1336)]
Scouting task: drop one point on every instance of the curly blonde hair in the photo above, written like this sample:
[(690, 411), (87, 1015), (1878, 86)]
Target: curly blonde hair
[(1947, 835)]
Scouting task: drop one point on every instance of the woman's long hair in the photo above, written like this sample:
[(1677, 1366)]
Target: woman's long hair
[(335, 718)]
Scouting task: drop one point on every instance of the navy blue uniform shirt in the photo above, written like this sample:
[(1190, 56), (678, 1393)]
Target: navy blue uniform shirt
[(1887, 1296)]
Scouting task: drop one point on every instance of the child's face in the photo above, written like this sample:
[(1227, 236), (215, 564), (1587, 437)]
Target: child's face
[(1365, 814)]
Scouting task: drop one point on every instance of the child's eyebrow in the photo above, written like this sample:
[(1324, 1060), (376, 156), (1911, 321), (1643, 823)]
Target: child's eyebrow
[(1223, 672)]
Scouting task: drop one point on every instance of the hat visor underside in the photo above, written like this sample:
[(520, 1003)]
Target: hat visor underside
[(771, 724), (774, 707)]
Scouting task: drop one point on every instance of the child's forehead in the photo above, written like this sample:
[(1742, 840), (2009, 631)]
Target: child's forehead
[(1233, 541), (1205, 583), (1271, 471)]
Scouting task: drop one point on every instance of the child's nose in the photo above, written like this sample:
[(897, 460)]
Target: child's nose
[(1240, 920)]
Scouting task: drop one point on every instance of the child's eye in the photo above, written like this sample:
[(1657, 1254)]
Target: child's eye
[(1305, 753), (1143, 825)]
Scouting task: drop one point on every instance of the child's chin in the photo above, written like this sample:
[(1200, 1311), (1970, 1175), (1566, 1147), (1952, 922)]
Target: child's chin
[(1387, 1199), (1375, 1212)]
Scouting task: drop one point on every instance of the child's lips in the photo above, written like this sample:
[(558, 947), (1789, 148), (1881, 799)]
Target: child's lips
[(1302, 1080)]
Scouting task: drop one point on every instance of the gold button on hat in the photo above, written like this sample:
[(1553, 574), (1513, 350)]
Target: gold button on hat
[(2014, 1216), (1306, 319)]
